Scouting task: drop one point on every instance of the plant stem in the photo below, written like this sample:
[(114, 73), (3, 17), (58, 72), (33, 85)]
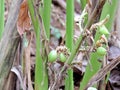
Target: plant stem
[(70, 24), (41, 82), (1, 17), (69, 40), (46, 16), (69, 80)]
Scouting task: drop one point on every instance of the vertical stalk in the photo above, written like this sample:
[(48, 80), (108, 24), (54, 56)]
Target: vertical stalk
[(69, 40), (1, 17), (69, 80), (69, 24), (45, 13), (46, 16), (39, 78)]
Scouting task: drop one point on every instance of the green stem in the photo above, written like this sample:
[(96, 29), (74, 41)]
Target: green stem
[(70, 24), (46, 16), (40, 79), (69, 80), (76, 48), (1, 17), (69, 40)]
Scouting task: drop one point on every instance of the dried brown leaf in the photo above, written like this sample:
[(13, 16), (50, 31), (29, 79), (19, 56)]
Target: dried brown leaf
[(23, 23)]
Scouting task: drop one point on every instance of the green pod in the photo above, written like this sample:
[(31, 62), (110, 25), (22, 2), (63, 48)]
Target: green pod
[(52, 56), (101, 51), (62, 57), (104, 30)]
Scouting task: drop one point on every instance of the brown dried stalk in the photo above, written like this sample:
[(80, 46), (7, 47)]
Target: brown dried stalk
[(9, 42), (96, 13), (101, 73)]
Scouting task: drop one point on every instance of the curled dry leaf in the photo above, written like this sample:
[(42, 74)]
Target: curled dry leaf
[(23, 23), (17, 70)]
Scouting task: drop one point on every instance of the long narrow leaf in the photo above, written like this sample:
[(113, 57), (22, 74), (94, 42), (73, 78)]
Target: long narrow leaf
[(69, 24), (39, 78), (46, 16), (1, 17), (69, 80), (69, 41)]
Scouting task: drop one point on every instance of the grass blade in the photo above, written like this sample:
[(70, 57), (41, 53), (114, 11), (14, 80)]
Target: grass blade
[(40, 83), (46, 16), (69, 80), (69, 40), (70, 24), (1, 17)]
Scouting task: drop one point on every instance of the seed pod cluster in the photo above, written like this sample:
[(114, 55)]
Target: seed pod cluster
[(102, 41), (61, 51)]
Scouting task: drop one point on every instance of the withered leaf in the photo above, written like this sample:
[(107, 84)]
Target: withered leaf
[(23, 23)]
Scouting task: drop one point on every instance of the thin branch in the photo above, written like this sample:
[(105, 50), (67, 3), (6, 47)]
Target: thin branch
[(96, 25), (100, 74), (96, 13)]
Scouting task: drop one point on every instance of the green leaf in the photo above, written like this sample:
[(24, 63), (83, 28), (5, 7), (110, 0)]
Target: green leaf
[(69, 40), (1, 17)]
